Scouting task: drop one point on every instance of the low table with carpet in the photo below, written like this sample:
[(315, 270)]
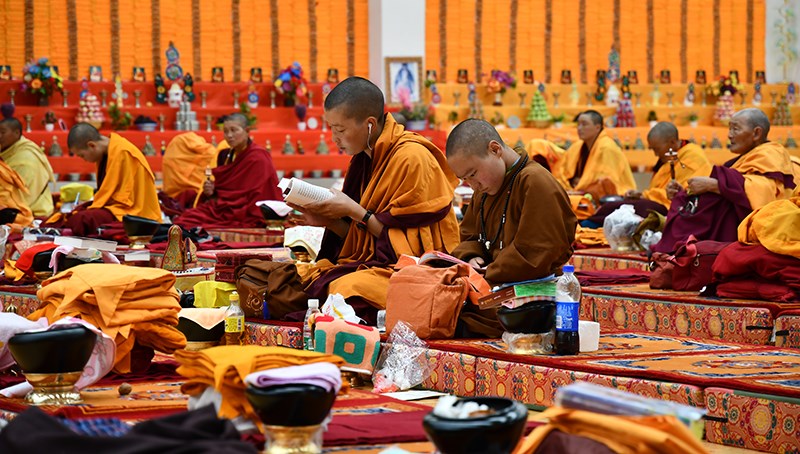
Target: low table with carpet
[(639, 308), (598, 259)]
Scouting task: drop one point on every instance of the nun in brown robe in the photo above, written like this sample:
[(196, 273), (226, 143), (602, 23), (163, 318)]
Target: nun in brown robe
[(519, 225)]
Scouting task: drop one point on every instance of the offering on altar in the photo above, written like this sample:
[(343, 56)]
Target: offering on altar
[(783, 114), (574, 96), (139, 74), (89, 110), (761, 77), (161, 90), (217, 74), (498, 83), (724, 110), (790, 93), (188, 87), (291, 84), (655, 95), (613, 96), (539, 116), (666, 77), (600, 91), (95, 74), (252, 96), (175, 95), (613, 65), (174, 71), (625, 117), (757, 96), (256, 76), (688, 100)]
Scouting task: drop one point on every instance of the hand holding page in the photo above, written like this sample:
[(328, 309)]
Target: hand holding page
[(299, 192)]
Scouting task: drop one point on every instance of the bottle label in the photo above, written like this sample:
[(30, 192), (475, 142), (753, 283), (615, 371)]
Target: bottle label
[(234, 324), (567, 316)]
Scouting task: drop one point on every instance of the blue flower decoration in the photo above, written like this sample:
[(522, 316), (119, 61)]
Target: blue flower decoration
[(43, 61), (46, 73), (34, 70)]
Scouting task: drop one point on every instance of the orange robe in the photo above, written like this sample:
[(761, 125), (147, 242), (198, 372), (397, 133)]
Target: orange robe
[(605, 166), (776, 226), (12, 195), (131, 305), (185, 161), (766, 170), (692, 162), (407, 179), (545, 152), (128, 185)]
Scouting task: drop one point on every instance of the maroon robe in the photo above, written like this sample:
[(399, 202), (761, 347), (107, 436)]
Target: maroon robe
[(238, 186)]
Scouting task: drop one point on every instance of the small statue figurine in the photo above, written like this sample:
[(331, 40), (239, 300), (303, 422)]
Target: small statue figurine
[(119, 94), (574, 96), (715, 143), (757, 96), (148, 149), (175, 95), (252, 96), (161, 90), (322, 147), (688, 100), (655, 95), (790, 93), (55, 148), (287, 146), (188, 87)]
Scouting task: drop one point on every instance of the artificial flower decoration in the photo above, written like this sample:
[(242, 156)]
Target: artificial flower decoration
[(723, 84), (291, 83), (41, 79), (409, 110), (500, 81)]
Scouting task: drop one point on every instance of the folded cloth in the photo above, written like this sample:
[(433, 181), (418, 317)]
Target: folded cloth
[(606, 277), (323, 375), (744, 271), (196, 432), (225, 368), (132, 305), (586, 238), (623, 434), (25, 261)]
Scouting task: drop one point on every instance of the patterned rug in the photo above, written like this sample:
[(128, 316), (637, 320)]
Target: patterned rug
[(644, 292)]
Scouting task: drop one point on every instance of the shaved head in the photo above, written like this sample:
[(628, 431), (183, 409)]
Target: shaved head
[(358, 98), (472, 137), (12, 124), (663, 130), (755, 118), (594, 116), (238, 118), (81, 134)]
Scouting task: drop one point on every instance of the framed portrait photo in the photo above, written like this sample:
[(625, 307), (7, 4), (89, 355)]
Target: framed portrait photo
[(403, 73)]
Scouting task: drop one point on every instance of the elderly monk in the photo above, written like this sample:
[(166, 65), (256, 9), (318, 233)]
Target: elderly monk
[(13, 209), (397, 199), (30, 162), (712, 207), (243, 176), (689, 160), (125, 183), (595, 163), (520, 225), (544, 152)]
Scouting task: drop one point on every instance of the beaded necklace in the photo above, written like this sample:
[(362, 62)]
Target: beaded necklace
[(483, 238)]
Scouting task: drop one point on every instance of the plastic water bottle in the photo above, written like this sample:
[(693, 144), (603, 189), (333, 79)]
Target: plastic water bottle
[(234, 321), (311, 314), (568, 304)]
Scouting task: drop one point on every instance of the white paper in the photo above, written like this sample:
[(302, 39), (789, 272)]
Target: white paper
[(302, 193), (280, 208), (414, 395)]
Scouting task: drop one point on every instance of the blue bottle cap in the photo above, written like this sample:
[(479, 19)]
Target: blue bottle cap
[(568, 269)]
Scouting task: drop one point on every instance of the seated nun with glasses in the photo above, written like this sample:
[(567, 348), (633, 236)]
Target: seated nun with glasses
[(712, 207), (519, 226)]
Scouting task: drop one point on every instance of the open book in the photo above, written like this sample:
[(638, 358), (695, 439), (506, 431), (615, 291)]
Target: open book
[(299, 192), (434, 259)]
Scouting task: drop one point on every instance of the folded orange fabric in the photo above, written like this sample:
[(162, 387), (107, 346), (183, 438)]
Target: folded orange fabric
[(590, 237), (129, 304), (224, 368), (622, 434)]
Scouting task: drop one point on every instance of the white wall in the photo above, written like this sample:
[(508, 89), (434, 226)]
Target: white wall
[(772, 53), (396, 29)]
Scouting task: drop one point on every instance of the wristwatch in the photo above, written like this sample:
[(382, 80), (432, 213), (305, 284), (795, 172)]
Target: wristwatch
[(362, 224)]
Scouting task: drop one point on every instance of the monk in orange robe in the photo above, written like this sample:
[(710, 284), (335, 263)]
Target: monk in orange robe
[(243, 176), (595, 163), (397, 199), (125, 183), (13, 209), (712, 207), (185, 161), (546, 153), (689, 161)]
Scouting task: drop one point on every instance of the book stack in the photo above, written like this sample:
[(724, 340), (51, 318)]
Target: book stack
[(520, 293)]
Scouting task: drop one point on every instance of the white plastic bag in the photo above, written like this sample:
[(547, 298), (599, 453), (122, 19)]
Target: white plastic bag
[(619, 227), (337, 307)]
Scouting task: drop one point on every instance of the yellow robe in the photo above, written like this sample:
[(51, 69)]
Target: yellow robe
[(28, 160), (796, 168), (606, 162), (12, 195), (129, 186), (769, 157), (409, 176), (185, 162), (776, 226), (692, 162)]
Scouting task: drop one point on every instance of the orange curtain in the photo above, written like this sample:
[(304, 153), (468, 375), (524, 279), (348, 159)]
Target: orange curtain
[(598, 26)]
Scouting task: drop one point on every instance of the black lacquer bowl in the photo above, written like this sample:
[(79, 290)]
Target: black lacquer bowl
[(291, 405), (530, 318), (65, 348)]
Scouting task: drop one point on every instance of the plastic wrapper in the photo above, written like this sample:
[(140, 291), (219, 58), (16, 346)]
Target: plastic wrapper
[(530, 344), (649, 238), (619, 227), (403, 363), (612, 401)]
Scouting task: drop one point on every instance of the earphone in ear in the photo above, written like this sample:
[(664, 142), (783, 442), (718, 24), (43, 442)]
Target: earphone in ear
[(369, 135), (369, 130)]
